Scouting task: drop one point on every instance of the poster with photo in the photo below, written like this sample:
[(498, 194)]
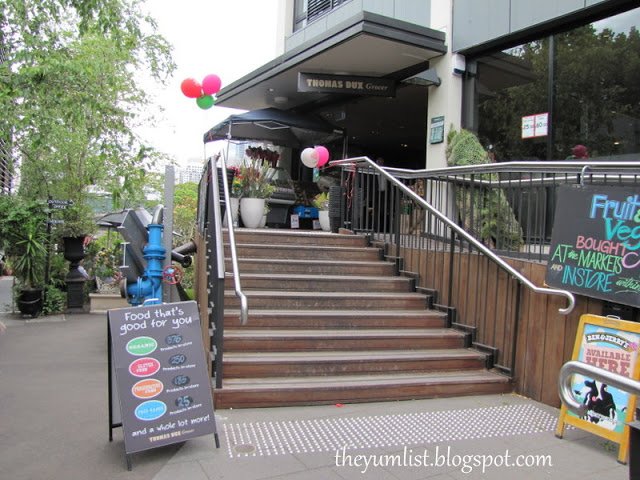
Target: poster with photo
[(612, 345), (615, 351)]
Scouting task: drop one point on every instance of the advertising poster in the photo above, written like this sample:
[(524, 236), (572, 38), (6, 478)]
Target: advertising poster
[(162, 380), (612, 345), (595, 245)]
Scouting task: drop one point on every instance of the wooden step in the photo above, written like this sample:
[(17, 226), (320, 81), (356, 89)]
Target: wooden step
[(270, 299), (278, 391), (346, 319), (316, 267), (307, 252), (321, 283), (269, 364), (283, 340), (270, 236)]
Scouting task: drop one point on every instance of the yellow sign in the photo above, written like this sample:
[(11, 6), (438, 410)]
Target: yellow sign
[(612, 345)]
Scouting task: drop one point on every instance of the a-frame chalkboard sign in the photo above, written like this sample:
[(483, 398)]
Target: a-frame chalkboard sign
[(159, 386)]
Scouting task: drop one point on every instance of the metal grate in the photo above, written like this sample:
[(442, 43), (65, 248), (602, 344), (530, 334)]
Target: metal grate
[(330, 434)]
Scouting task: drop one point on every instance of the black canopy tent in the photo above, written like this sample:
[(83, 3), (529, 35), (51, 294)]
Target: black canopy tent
[(286, 129)]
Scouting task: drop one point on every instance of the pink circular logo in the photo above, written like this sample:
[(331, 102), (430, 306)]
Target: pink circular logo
[(144, 367)]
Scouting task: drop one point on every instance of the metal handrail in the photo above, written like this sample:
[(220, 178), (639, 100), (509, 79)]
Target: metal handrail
[(568, 166), (574, 367), (244, 305), (463, 233)]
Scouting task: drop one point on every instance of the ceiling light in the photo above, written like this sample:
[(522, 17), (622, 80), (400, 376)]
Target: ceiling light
[(280, 100)]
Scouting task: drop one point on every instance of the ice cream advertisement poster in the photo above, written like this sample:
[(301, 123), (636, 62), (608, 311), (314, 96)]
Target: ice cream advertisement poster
[(612, 345), (617, 352)]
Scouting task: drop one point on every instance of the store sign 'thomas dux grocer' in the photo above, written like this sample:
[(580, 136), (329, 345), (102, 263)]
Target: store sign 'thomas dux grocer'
[(324, 83), (595, 246)]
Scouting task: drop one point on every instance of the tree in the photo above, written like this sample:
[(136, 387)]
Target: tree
[(69, 98), (185, 205)]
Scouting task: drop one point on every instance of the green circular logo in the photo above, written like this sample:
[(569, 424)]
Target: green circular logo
[(141, 346)]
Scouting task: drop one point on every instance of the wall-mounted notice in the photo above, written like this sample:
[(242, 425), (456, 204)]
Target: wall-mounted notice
[(595, 246), (162, 380), (535, 125), (612, 345)]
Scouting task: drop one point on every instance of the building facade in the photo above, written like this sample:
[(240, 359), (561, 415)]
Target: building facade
[(533, 80)]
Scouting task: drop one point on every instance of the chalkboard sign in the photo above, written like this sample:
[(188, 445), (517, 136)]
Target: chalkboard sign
[(595, 246), (163, 386)]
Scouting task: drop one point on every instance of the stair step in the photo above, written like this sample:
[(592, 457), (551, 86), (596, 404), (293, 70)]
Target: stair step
[(328, 267), (277, 391), (327, 300), (268, 236), (282, 340), (321, 283), (307, 252), (338, 318), (267, 364)]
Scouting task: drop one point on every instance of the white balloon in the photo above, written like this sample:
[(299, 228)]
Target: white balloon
[(309, 157)]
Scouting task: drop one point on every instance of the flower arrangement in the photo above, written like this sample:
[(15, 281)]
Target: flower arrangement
[(321, 201), (251, 180), (105, 265), (263, 155)]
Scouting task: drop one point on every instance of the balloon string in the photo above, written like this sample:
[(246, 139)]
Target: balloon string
[(350, 185)]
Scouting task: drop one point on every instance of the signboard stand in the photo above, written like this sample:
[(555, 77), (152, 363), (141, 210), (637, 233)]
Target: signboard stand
[(613, 345), (159, 386)]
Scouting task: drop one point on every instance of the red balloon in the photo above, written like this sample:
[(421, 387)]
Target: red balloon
[(211, 84), (191, 88)]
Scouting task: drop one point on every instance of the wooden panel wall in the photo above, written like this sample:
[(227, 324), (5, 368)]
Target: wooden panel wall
[(485, 297)]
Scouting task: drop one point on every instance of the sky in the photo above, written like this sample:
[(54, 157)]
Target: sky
[(229, 38)]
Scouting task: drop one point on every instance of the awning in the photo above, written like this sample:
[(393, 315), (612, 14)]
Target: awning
[(287, 129), (365, 44)]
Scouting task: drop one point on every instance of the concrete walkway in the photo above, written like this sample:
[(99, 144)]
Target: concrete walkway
[(54, 425)]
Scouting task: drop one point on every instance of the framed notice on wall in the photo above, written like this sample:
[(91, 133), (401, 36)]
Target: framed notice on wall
[(595, 245), (612, 345), (437, 130)]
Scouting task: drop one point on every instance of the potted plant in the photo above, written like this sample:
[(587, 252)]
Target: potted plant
[(321, 202), (254, 187), (23, 234)]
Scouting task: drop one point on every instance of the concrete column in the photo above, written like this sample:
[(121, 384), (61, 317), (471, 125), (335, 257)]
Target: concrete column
[(445, 100)]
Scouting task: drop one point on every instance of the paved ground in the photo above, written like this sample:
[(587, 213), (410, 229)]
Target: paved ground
[(54, 425)]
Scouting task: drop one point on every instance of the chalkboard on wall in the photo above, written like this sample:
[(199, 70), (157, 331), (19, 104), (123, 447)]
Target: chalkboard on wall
[(595, 245), (161, 375)]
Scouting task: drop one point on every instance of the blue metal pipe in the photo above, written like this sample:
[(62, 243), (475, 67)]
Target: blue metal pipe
[(149, 285)]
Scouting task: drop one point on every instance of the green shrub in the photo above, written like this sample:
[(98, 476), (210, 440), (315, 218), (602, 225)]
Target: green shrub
[(55, 300)]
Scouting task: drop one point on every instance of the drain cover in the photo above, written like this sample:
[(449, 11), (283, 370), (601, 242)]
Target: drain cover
[(244, 448)]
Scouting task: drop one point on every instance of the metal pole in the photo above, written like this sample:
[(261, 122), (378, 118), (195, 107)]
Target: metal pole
[(168, 293)]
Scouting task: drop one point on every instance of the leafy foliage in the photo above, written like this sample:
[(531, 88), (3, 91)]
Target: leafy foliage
[(493, 220), (252, 180), (55, 300), (69, 99), (185, 205)]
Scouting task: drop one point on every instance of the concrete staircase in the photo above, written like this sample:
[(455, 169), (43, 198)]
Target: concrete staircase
[(330, 322)]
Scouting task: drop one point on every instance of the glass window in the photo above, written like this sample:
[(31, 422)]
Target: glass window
[(585, 78)]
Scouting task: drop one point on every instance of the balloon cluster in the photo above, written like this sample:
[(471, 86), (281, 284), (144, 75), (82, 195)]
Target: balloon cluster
[(203, 92), (315, 157)]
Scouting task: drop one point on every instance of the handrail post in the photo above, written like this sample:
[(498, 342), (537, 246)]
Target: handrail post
[(215, 273)]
